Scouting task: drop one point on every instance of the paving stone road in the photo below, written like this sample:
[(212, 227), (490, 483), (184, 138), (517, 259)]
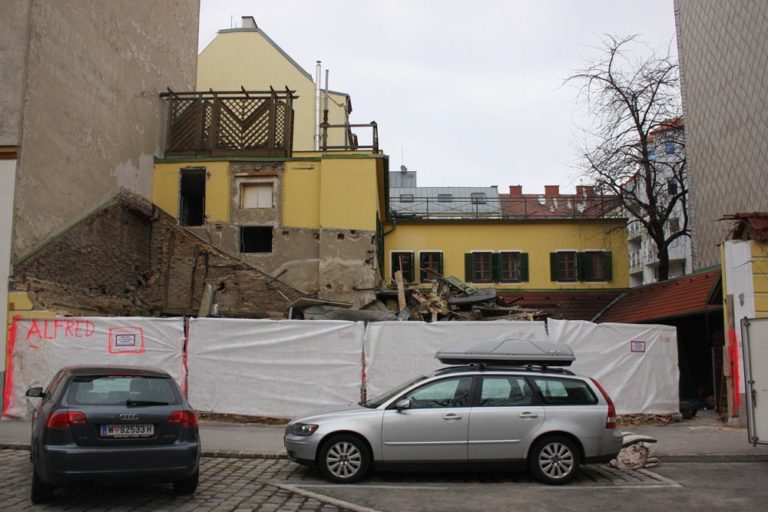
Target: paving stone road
[(247, 484)]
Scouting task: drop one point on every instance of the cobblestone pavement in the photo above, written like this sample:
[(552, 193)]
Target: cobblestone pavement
[(246, 484)]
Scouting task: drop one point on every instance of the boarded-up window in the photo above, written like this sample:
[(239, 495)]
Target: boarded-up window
[(256, 195)]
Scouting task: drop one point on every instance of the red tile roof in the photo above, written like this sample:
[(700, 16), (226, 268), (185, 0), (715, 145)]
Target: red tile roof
[(674, 298)]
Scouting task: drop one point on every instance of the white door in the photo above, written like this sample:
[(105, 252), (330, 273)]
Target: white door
[(755, 342)]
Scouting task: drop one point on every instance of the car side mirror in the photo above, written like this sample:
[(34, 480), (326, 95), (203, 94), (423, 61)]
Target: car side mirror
[(403, 404), (35, 393)]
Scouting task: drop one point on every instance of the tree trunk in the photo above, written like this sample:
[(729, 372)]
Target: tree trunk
[(663, 255)]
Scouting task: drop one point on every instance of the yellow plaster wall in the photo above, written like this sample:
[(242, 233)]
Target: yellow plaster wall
[(248, 59), (760, 277), (538, 239), (301, 194), (348, 193), (165, 188)]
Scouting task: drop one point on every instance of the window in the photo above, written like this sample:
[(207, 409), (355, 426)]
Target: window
[(563, 266), (513, 267), (255, 239), (432, 261), (256, 195), (444, 198), (505, 392), (403, 261), (674, 225), (478, 267), (453, 392), (406, 198), (597, 266), (192, 197), (672, 187), (557, 391), (478, 197)]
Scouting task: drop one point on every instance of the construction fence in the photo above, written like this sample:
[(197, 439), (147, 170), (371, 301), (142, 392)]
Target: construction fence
[(282, 368)]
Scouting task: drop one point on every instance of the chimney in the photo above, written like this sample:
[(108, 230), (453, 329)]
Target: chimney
[(552, 190), (585, 191), (249, 22), (516, 191)]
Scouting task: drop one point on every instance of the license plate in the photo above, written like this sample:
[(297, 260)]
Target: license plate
[(127, 430)]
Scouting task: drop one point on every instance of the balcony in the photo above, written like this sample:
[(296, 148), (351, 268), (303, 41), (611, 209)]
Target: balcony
[(226, 123), (408, 207)]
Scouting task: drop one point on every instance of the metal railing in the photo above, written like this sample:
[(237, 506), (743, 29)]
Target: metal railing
[(351, 142), (469, 208), (230, 123)]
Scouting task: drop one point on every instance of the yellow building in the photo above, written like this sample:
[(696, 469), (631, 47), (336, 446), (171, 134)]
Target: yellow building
[(511, 254), (311, 220), (248, 58)]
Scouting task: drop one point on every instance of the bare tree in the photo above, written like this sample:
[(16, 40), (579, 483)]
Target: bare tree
[(635, 103)]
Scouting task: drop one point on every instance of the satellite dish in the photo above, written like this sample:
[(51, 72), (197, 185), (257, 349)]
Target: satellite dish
[(403, 168)]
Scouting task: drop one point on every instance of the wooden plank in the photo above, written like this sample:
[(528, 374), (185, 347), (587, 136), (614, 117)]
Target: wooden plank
[(400, 290)]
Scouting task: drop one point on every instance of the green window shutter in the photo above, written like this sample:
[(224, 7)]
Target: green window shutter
[(468, 267), (524, 266), (395, 263), (608, 266), (582, 272), (422, 265), (496, 267), (553, 266), (440, 269)]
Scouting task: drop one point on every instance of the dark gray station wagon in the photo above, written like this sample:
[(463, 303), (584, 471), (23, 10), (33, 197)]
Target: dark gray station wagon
[(117, 424)]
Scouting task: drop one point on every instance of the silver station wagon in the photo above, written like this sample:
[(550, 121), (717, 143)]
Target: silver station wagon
[(485, 412)]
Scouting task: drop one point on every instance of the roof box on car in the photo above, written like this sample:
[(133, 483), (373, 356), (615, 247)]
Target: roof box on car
[(508, 352)]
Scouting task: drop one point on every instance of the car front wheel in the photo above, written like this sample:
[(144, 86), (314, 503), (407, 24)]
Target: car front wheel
[(554, 460), (344, 459)]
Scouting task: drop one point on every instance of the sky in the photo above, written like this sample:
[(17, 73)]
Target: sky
[(464, 93)]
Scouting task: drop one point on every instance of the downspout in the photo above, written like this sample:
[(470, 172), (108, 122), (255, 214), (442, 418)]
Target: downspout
[(317, 106)]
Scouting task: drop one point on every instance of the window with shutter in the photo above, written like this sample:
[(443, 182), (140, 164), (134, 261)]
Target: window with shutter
[(403, 261), (432, 261), (597, 266), (482, 271), (565, 266), (511, 267)]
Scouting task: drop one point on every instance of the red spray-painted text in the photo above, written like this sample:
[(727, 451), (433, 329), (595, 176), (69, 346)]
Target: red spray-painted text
[(52, 329)]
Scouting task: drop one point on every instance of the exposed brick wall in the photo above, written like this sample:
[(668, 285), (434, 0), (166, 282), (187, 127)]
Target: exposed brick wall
[(130, 258)]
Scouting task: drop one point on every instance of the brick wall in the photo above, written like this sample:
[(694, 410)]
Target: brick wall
[(130, 258)]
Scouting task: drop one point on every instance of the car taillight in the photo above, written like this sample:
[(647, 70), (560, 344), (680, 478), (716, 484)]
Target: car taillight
[(186, 419), (610, 421), (61, 420)]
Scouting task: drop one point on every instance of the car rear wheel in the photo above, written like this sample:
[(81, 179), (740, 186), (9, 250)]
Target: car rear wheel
[(188, 485), (42, 492), (554, 460), (344, 459)]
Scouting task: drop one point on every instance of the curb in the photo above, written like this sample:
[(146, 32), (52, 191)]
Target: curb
[(681, 458)]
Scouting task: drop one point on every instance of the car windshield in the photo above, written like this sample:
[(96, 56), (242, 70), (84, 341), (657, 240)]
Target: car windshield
[(377, 401), (130, 390)]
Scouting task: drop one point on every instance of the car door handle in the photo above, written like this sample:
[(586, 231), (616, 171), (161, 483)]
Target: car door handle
[(528, 415), (450, 417)]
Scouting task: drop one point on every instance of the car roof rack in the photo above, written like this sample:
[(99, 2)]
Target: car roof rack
[(508, 352), (473, 367)]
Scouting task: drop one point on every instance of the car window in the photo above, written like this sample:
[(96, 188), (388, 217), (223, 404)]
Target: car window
[(453, 392), (380, 399), (556, 391), (499, 391), (55, 386), (114, 390)]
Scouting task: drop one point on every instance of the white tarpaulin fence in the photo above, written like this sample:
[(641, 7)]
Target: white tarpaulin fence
[(396, 352), (38, 348), (284, 368), (636, 364), (273, 368)]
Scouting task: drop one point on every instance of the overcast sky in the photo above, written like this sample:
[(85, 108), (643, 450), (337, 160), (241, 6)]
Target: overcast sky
[(465, 93)]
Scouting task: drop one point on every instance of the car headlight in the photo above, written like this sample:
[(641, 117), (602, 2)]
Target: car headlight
[(303, 429)]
